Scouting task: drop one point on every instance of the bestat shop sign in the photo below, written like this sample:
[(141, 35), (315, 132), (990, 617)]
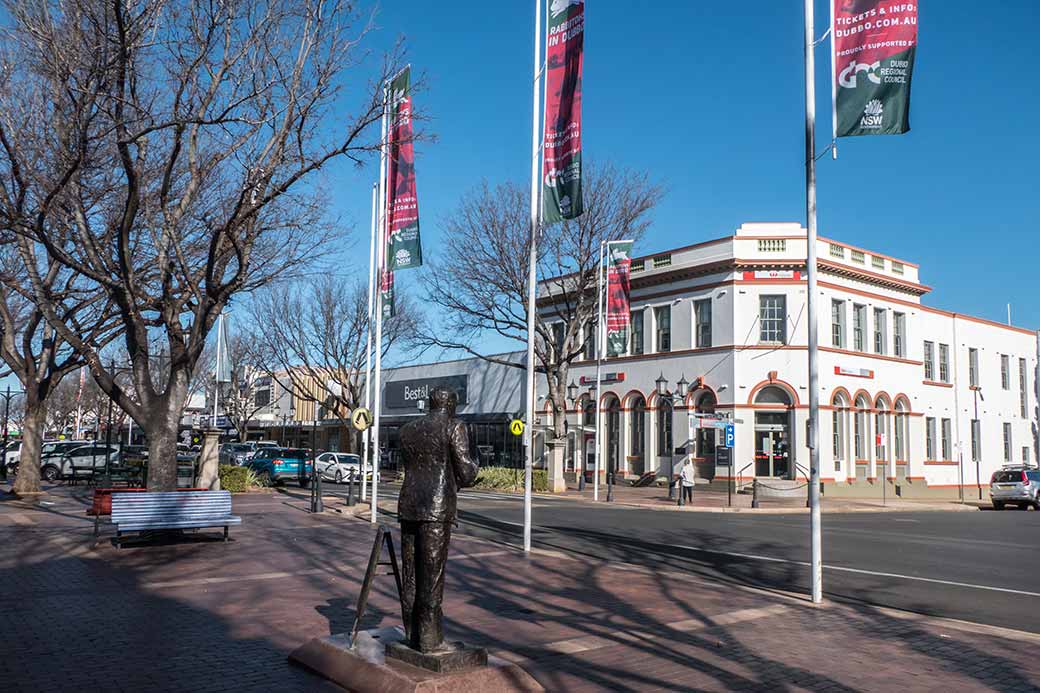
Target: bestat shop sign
[(406, 394)]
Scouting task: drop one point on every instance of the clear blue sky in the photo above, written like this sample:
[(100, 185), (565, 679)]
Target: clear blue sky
[(708, 97)]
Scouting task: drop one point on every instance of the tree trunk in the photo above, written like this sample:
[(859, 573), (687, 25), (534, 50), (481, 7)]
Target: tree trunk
[(28, 479), (162, 428)]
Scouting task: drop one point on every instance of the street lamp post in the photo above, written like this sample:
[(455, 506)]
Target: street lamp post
[(572, 395), (7, 395), (317, 505), (681, 388)]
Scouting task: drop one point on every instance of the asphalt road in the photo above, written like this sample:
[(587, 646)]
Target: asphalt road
[(976, 566)]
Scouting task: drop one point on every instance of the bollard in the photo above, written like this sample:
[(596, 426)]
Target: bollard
[(678, 487), (671, 488), (317, 504), (581, 481), (350, 488), (610, 487), (754, 493)]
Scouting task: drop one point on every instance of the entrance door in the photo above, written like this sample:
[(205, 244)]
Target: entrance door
[(772, 445)]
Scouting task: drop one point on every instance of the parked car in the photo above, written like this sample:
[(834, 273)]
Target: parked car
[(83, 461), (339, 466), (50, 456), (1019, 485), (236, 454), (275, 465), (11, 454)]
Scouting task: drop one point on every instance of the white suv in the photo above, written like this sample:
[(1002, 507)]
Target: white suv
[(1018, 485)]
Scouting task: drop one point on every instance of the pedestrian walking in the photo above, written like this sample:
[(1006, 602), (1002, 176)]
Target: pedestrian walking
[(686, 480)]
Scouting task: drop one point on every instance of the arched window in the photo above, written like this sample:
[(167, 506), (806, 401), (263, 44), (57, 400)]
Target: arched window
[(588, 417), (860, 432), (900, 431), (839, 435), (664, 428), (881, 442), (637, 435)]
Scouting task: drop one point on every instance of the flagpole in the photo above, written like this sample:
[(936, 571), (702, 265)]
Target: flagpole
[(380, 252), (532, 274), (814, 395), (599, 362), (834, 90), (216, 369), (367, 436)]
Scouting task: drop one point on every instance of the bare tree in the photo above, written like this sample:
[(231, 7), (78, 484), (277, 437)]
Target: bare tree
[(480, 277), (315, 348), (36, 353), (167, 150)]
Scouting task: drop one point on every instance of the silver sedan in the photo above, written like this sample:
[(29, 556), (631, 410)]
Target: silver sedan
[(339, 466)]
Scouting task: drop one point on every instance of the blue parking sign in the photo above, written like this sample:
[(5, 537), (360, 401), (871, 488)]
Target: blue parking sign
[(731, 435)]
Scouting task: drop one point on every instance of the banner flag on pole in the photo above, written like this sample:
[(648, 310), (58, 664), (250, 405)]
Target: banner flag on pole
[(561, 148), (402, 202), (223, 370), (619, 273), (386, 294), (874, 46)]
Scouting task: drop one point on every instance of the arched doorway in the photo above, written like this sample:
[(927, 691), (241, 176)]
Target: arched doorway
[(612, 450), (861, 437), (637, 435), (588, 436), (773, 450), (705, 439)]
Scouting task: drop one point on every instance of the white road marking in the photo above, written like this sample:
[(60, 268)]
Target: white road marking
[(771, 559)]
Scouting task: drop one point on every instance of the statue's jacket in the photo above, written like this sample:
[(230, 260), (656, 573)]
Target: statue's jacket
[(438, 462)]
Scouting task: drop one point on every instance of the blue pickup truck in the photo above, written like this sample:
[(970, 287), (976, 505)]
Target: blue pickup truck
[(276, 465)]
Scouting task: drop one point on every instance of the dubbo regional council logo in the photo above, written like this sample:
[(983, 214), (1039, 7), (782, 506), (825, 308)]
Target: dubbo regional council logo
[(873, 115)]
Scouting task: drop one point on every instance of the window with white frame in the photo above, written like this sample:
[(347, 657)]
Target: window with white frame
[(947, 439), (636, 347), (558, 336), (1005, 372), (1007, 442), (1023, 397), (976, 440), (973, 367), (929, 438), (838, 324), (663, 327), (1025, 454), (880, 338), (899, 434), (772, 314), (859, 327), (899, 334), (702, 322), (838, 432), (664, 428), (860, 433), (590, 340), (929, 360), (880, 430), (944, 363)]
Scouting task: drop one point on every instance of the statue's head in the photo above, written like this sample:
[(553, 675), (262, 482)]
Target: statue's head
[(443, 399)]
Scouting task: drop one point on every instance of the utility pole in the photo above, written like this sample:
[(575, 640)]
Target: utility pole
[(814, 395)]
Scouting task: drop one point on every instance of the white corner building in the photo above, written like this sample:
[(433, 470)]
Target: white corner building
[(932, 401)]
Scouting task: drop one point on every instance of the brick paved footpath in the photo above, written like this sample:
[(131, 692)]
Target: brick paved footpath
[(204, 616)]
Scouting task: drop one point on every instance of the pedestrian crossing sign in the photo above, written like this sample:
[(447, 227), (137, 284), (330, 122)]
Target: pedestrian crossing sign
[(516, 427)]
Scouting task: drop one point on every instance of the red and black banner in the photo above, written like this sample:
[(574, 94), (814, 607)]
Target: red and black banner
[(619, 276), (561, 161), (874, 46), (404, 249), (386, 294)]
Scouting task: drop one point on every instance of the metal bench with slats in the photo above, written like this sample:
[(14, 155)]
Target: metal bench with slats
[(139, 512)]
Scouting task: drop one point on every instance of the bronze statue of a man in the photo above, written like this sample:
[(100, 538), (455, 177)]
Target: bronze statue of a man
[(437, 462)]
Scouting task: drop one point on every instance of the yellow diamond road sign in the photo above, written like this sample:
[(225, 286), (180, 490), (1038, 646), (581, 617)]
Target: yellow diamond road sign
[(361, 419), (516, 427)]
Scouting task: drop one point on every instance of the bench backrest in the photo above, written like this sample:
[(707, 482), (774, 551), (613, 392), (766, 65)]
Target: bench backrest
[(184, 505)]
